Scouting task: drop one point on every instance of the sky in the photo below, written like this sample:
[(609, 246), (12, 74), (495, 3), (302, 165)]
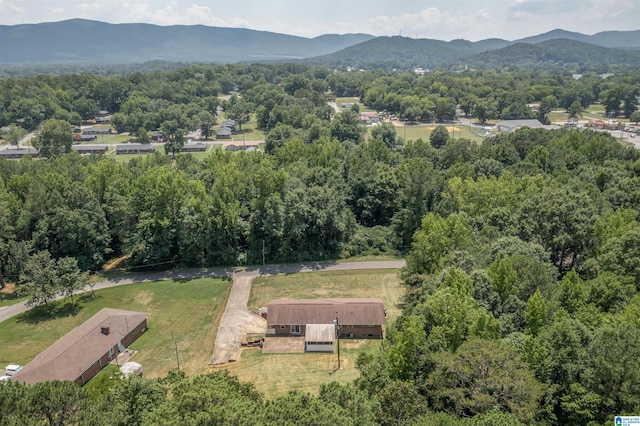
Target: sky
[(441, 19)]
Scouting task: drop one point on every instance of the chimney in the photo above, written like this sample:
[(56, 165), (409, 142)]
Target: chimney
[(104, 330)]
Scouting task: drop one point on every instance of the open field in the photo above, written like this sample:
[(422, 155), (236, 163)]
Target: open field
[(274, 374), (352, 100), (188, 309), (414, 132)]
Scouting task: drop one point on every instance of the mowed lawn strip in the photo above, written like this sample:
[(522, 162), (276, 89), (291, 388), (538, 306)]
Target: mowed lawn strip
[(275, 374), (190, 309)]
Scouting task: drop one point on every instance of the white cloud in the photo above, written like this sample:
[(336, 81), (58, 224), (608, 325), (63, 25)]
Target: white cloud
[(12, 11), (433, 23)]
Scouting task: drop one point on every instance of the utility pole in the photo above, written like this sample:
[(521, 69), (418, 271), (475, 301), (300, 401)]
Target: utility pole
[(176, 345), (337, 325)]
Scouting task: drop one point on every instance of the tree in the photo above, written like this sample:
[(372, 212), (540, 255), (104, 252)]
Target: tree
[(55, 138), (439, 136), (15, 134), (409, 343), (142, 135), (575, 109), (535, 314), (347, 127), (40, 279), (635, 117), (386, 132), (174, 135), (481, 376), (239, 111), (57, 403)]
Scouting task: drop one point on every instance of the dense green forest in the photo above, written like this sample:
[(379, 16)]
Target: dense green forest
[(523, 252)]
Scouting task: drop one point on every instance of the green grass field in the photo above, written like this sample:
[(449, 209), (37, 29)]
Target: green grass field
[(275, 374), (190, 309), (414, 132)]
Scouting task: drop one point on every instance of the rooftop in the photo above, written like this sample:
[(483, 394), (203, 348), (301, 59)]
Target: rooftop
[(355, 311)]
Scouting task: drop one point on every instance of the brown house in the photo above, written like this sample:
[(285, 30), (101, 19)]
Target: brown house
[(357, 318), (85, 350)]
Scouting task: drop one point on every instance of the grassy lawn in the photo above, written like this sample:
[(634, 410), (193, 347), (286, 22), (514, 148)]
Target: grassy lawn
[(409, 133), (352, 100), (190, 309), (274, 374)]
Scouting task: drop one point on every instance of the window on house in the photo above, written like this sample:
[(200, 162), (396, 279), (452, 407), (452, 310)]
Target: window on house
[(295, 329)]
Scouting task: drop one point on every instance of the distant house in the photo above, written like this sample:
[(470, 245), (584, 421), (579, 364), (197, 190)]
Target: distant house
[(97, 131), (229, 124), (156, 136), (90, 149), (19, 153), (194, 147), (103, 120), (84, 138), (85, 350), (357, 318), (135, 148), (369, 117), (347, 105), (245, 146), (103, 113), (224, 133)]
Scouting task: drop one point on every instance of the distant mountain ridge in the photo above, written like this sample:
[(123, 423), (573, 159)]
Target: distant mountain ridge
[(557, 47), (80, 41), (84, 41)]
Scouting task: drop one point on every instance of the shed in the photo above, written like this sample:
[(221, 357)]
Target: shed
[(319, 337)]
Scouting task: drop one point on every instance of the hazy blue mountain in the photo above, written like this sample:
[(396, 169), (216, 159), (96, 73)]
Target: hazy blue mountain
[(553, 52), (617, 39), (84, 41)]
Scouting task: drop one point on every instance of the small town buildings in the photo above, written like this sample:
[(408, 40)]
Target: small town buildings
[(90, 149), (18, 152), (135, 148), (157, 136), (103, 117), (370, 117), (356, 318), (85, 350)]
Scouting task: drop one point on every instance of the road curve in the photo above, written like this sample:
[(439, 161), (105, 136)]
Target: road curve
[(18, 308)]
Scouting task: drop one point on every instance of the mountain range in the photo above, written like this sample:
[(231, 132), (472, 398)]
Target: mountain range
[(80, 41)]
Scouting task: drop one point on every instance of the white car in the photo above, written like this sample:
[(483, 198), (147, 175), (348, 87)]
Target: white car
[(5, 378), (12, 369)]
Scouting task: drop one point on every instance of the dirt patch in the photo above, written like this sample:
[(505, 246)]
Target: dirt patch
[(144, 297), (283, 345), (115, 263), (9, 289)]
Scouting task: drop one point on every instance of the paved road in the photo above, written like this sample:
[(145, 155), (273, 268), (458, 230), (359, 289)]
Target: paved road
[(238, 321)]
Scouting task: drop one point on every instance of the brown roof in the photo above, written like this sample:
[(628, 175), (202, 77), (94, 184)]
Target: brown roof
[(74, 353), (323, 311), (320, 333)]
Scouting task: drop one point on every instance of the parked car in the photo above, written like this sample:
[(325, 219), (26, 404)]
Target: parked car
[(12, 369), (5, 378)]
